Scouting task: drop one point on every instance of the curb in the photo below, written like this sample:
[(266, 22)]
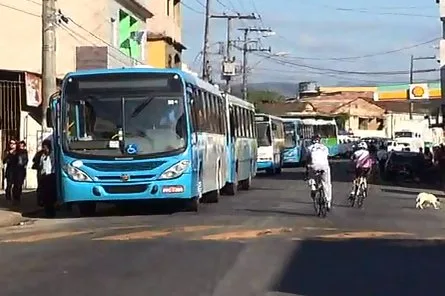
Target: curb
[(8, 218)]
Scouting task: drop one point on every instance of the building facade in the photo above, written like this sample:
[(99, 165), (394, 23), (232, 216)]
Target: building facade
[(105, 33), (89, 34), (164, 40)]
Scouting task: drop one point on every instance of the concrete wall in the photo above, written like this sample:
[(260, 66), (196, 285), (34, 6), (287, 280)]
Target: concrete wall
[(95, 23), (157, 53), (168, 24), (22, 51)]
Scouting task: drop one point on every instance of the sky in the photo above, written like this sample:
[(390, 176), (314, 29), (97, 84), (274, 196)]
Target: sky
[(317, 35)]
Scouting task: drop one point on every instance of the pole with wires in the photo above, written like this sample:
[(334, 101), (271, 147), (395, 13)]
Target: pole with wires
[(246, 50), (205, 51), (49, 84), (228, 65)]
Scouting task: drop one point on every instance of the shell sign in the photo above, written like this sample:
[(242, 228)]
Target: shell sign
[(419, 91)]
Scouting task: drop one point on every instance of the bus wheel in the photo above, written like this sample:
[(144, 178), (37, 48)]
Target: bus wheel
[(87, 209), (271, 171), (192, 205), (231, 188), (213, 196), (245, 184)]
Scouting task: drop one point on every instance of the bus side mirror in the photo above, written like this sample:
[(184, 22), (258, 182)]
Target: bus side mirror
[(49, 118)]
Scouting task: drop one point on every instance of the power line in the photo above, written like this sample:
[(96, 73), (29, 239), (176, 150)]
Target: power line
[(20, 10), (100, 39), (76, 36), (191, 8), (365, 55), (368, 11), (397, 72)]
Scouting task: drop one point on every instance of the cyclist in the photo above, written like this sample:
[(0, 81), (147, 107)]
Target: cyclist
[(363, 164), (318, 161)]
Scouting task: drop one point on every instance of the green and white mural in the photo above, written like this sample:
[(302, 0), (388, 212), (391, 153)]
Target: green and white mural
[(128, 26)]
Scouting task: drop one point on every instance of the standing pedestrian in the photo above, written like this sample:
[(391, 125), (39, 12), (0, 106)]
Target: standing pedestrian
[(20, 172), (36, 166), (48, 180), (10, 159)]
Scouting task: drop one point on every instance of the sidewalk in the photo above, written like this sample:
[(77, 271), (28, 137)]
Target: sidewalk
[(13, 214)]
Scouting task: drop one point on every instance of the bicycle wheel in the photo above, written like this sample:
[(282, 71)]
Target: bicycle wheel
[(315, 201), (352, 199), (322, 204), (361, 196)]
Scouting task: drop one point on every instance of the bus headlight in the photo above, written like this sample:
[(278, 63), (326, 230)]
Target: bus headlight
[(175, 170), (76, 174)]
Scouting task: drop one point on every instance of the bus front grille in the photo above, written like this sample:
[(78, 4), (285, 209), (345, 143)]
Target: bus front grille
[(125, 167)]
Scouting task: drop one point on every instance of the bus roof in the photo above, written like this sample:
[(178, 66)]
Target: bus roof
[(318, 121), (188, 77), (302, 115), (270, 116), (292, 119), (239, 102)]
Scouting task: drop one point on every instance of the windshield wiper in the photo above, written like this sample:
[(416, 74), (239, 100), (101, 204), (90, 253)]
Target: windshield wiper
[(141, 107)]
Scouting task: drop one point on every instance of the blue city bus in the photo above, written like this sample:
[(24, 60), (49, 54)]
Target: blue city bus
[(270, 137), (293, 141), (241, 144), (308, 125), (138, 134)]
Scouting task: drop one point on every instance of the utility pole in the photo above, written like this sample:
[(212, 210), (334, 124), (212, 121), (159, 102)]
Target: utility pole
[(228, 68), (49, 85), (205, 62), (246, 50), (411, 79)]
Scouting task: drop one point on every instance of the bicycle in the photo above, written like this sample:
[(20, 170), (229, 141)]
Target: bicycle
[(361, 192), (319, 197)]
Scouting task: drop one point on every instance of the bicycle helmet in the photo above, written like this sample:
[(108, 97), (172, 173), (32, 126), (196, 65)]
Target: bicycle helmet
[(316, 139), (362, 145)]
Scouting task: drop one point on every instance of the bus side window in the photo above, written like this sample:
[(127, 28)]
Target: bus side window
[(199, 111), (232, 119), (243, 122), (252, 120), (223, 116), (194, 110), (218, 115), (206, 121), (211, 100)]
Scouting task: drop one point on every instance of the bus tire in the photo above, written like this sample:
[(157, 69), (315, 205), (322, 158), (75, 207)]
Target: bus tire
[(232, 188), (245, 184), (192, 205), (213, 196), (87, 209)]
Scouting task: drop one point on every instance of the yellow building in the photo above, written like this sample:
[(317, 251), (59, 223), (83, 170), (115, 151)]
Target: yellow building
[(164, 40), (430, 91), (331, 89)]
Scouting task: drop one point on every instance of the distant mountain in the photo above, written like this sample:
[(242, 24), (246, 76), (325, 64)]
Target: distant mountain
[(287, 89)]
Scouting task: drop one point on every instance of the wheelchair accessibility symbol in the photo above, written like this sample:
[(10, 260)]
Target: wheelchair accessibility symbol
[(132, 149)]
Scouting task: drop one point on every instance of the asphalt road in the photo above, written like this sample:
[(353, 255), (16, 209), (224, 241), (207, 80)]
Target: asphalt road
[(263, 242)]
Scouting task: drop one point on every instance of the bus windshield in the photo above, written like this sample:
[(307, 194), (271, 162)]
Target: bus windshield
[(264, 137), (290, 137), (104, 121)]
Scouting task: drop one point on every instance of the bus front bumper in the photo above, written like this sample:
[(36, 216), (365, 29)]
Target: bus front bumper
[(179, 188), (264, 165)]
